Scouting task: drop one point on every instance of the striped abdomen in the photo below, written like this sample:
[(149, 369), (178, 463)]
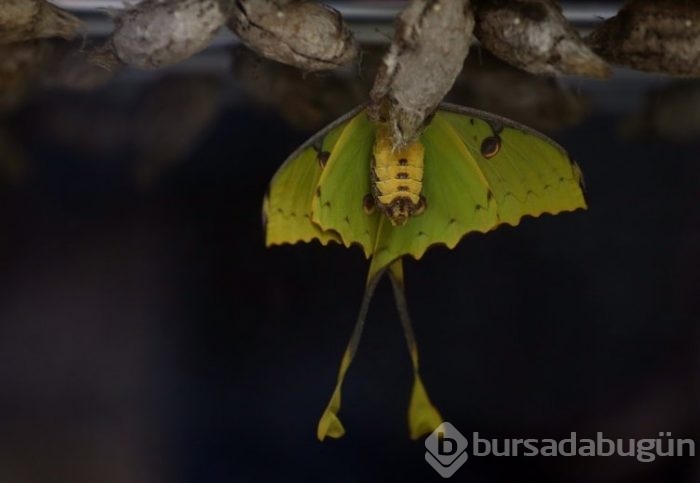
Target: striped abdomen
[(397, 179)]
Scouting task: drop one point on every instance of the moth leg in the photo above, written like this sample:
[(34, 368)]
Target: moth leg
[(322, 157), (368, 204), (421, 206)]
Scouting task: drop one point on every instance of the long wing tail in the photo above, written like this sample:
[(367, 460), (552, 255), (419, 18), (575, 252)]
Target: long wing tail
[(329, 424), (423, 417)]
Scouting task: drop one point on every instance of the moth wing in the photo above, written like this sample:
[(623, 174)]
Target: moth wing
[(529, 175), (524, 174), (287, 207), (338, 203)]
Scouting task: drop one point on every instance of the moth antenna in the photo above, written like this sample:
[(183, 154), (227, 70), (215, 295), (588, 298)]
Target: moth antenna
[(386, 36)]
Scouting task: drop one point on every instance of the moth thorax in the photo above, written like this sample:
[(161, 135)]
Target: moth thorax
[(397, 178)]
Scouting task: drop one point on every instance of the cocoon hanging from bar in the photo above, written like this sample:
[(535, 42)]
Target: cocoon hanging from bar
[(158, 33), (652, 36), (307, 35), (22, 20), (534, 35), (427, 53)]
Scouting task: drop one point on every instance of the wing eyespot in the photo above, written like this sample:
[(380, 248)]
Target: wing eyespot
[(490, 146)]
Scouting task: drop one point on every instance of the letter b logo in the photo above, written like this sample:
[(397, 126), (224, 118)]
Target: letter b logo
[(446, 446), (446, 450)]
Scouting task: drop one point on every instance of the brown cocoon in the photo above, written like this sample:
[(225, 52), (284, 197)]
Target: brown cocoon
[(432, 40), (307, 35), (534, 35), (653, 36), (158, 33), (22, 20)]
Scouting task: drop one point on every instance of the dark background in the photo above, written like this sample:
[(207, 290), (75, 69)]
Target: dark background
[(147, 335)]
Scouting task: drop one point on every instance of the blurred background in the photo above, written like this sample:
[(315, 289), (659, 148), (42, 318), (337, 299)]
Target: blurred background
[(147, 335)]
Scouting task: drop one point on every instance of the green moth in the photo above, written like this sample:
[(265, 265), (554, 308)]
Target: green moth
[(469, 171)]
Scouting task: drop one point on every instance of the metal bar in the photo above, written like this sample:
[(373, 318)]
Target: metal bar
[(380, 11)]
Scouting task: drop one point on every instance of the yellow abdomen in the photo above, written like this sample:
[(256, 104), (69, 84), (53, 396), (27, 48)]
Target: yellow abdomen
[(397, 179)]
